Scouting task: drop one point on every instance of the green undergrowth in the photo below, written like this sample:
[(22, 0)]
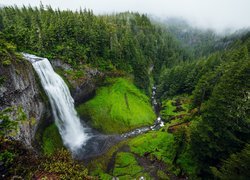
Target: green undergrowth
[(180, 119), (51, 140), (98, 167), (162, 175), (171, 148), (175, 108), (158, 148), (118, 107), (2, 79), (126, 167), (187, 162), (156, 143)]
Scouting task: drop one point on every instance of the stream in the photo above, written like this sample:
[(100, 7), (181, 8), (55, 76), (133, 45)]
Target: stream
[(98, 144), (83, 141)]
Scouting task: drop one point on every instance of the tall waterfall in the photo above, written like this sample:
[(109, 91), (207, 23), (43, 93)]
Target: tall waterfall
[(69, 125)]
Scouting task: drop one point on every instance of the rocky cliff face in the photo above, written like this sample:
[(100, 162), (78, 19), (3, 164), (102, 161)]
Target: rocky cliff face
[(20, 87), (87, 87), (81, 88)]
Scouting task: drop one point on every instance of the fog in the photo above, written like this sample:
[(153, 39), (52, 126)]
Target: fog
[(219, 15)]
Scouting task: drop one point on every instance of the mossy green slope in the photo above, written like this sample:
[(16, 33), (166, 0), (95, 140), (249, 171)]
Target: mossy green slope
[(139, 157), (51, 140), (118, 108), (160, 144), (126, 167)]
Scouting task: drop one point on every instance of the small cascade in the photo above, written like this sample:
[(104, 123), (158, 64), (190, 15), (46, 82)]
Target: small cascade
[(157, 124), (73, 133), (84, 143), (158, 121)]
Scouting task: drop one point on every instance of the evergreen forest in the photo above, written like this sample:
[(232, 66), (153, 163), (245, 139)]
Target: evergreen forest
[(124, 71)]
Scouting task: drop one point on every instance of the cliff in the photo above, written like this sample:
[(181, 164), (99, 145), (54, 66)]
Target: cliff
[(20, 87), (82, 82)]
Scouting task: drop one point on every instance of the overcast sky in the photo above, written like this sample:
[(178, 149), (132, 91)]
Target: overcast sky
[(216, 14)]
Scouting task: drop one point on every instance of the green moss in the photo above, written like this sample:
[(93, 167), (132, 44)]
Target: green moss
[(99, 165), (125, 159), (162, 175), (6, 157), (118, 108), (169, 110), (187, 163), (2, 79), (157, 143), (105, 176), (126, 166), (10, 118), (51, 140), (76, 74), (6, 62)]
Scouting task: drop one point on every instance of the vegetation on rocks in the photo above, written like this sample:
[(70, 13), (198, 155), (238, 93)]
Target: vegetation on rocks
[(126, 166), (152, 144), (51, 140), (204, 100), (125, 41), (118, 107)]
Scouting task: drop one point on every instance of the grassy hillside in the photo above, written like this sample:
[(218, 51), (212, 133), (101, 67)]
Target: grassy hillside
[(118, 107)]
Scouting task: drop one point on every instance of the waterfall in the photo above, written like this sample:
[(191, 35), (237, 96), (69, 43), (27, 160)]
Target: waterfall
[(73, 134)]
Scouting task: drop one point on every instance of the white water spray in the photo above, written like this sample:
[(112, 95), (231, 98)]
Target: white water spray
[(62, 103)]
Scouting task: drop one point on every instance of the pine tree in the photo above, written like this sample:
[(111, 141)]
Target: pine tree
[(226, 119)]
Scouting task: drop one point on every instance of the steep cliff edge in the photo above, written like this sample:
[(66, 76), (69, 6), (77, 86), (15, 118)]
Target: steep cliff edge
[(82, 81), (20, 87)]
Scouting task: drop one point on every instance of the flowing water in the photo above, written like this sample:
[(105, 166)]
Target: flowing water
[(73, 134), (157, 124), (84, 142)]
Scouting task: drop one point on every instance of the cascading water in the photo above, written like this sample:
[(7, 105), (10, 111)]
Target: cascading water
[(73, 134), (157, 124)]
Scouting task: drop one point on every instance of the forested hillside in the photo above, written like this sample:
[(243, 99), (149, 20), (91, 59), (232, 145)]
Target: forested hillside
[(201, 82), (199, 42), (218, 90), (126, 41)]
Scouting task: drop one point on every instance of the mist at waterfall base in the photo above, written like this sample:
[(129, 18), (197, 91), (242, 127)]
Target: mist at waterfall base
[(69, 126), (76, 136), (83, 141)]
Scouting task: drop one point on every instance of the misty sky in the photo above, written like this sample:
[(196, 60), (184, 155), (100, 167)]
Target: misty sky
[(215, 14)]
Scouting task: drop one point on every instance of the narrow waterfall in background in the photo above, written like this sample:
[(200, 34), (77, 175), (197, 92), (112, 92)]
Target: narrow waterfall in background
[(69, 125)]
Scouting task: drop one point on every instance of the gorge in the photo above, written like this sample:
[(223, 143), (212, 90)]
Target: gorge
[(120, 96), (76, 135)]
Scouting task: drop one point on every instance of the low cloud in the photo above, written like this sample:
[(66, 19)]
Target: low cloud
[(215, 14)]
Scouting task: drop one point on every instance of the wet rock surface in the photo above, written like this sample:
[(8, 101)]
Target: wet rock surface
[(86, 88), (82, 88), (21, 88)]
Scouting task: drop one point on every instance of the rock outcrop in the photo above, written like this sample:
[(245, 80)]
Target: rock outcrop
[(87, 87), (21, 87), (82, 88)]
